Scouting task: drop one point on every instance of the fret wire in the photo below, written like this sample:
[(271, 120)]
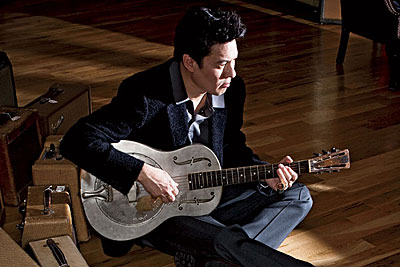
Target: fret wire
[(251, 174), (196, 181), (214, 179), (190, 181), (258, 174), (224, 182), (201, 180), (218, 178), (254, 173)]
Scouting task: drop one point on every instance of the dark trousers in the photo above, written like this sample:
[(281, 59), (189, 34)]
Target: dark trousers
[(245, 232)]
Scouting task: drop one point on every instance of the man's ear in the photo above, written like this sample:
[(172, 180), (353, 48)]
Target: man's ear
[(188, 62)]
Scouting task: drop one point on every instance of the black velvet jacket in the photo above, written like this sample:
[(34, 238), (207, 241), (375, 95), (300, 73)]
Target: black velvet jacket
[(145, 111)]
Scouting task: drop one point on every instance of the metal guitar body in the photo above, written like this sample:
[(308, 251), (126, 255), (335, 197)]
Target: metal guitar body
[(122, 217)]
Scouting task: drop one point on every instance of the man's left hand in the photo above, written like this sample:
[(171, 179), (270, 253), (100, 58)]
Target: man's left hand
[(286, 176)]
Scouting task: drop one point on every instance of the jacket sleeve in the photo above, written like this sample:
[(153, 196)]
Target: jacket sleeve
[(88, 142), (236, 152)]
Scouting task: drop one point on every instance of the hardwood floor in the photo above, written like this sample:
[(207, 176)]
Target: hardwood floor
[(299, 102)]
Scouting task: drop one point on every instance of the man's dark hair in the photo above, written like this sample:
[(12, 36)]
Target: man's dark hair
[(200, 28)]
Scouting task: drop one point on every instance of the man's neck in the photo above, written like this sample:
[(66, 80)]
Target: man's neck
[(197, 96)]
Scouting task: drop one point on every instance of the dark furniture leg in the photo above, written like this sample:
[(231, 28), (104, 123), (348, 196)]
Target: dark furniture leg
[(344, 39), (393, 53)]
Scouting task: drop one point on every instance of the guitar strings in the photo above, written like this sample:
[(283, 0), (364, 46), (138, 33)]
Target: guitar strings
[(183, 180)]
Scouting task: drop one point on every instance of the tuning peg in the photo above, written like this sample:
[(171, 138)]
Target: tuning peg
[(324, 152), (334, 149), (317, 154)]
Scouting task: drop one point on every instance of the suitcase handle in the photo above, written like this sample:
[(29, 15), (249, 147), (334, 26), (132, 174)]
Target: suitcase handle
[(57, 253), (55, 126), (50, 95), (47, 200)]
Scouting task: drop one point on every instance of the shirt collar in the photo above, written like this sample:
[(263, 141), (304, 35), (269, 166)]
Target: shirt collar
[(179, 91)]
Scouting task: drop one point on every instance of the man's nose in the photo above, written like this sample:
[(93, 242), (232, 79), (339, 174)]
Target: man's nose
[(229, 71)]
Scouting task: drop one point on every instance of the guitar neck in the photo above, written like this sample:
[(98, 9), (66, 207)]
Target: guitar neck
[(241, 175)]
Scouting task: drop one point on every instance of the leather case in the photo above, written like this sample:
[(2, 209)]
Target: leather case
[(61, 106), (20, 146), (50, 168), (65, 251), (46, 220), (11, 254)]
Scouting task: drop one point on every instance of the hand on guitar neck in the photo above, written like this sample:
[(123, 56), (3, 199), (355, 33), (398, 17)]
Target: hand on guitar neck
[(158, 183), (286, 176)]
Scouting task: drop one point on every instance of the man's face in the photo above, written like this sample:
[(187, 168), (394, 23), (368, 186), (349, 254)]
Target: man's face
[(217, 70)]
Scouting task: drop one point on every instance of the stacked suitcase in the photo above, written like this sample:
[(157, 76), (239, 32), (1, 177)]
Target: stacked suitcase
[(20, 146), (26, 172)]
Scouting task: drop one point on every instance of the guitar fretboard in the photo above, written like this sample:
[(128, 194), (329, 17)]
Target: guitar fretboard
[(240, 175)]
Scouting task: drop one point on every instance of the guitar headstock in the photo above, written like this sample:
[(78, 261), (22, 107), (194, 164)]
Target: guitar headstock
[(331, 161)]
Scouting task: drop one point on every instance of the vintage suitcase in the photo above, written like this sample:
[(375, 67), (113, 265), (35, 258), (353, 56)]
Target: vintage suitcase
[(2, 210), (52, 168), (330, 12), (11, 254), (8, 96), (46, 220), (61, 106), (55, 252), (60, 194), (20, 146)]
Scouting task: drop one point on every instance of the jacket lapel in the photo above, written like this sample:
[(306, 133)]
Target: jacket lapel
[(178, 124), (217, 128)]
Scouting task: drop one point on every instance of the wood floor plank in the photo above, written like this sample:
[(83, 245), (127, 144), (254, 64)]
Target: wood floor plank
[(298, 102)]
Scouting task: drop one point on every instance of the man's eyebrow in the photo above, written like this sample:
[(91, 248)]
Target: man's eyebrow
[(226, 60)]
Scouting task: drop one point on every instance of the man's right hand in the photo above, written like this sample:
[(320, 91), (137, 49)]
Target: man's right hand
[(158, 183)]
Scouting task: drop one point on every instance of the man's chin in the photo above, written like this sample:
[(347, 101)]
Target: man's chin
[(221, 91)]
